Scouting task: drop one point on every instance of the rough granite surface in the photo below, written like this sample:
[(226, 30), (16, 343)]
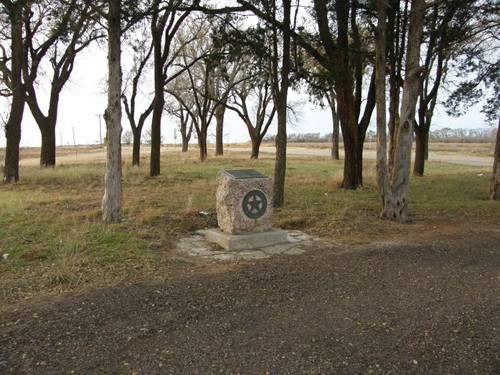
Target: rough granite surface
[(229, 199)]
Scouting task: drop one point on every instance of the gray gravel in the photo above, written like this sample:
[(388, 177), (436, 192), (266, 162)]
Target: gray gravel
[(383, 309)]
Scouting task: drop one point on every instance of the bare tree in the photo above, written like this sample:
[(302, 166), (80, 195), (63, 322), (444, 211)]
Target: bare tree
[(453, 29), (227, 54), (495, 180), (396, 203), (112, 200), (55, 31), (11, 68), (330, 97), (397, 27), (255, 90), (380, 67), (185, 129), (194, 90), (220, 108), (164, 45), (167, 17), (319, 88), (202, 89), (225, 78), (127, 137), (186, 123), (142, 48), (340, 48)]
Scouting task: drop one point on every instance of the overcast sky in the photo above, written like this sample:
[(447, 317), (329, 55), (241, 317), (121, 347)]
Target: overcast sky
[(83, 98)]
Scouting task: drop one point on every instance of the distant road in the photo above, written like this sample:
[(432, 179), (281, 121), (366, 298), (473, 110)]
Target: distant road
[(443, 157), (99, 155)]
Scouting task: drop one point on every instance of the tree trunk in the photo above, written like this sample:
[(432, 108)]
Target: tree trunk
[(48, 149), (13, 138), (335, 155), (398, 41), (13, 125), (397, 204), (202, 144), (281, 83), (46, 124), (346, 105), (185, 133), (495, 180), (335, 131), (393, 119), (112, 200), (351, 165), (420, 146), (136, 147), (360, 148), (159, 98), (281, 100), (426, 145), (280, 163), (219, 130), (185, 145), (422, 128), (345, 101), (380, 63), (156, 134), (256, 141), (364, 122)]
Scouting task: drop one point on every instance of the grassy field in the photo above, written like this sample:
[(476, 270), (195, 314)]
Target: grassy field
[(50, 223)]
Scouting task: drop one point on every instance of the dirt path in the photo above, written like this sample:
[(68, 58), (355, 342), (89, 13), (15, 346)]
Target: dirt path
[(380, 309), (443, 157)]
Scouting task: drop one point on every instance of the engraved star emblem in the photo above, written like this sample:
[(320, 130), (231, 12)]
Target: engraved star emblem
[(254, 204)]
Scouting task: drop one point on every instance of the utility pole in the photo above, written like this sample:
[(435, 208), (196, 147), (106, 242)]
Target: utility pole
[(100, 129), (60, 139), (74, 143)]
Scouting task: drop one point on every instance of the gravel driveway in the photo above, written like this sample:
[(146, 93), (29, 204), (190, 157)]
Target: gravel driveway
[(395, 309)]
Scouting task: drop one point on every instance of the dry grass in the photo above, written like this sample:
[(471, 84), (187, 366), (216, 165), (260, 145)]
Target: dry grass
[(50, 223)]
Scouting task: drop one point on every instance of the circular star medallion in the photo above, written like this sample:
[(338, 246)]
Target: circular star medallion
[(254, 204)]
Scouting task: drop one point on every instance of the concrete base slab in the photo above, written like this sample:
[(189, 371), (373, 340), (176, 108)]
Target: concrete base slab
[(197, 245), (233, 242)]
